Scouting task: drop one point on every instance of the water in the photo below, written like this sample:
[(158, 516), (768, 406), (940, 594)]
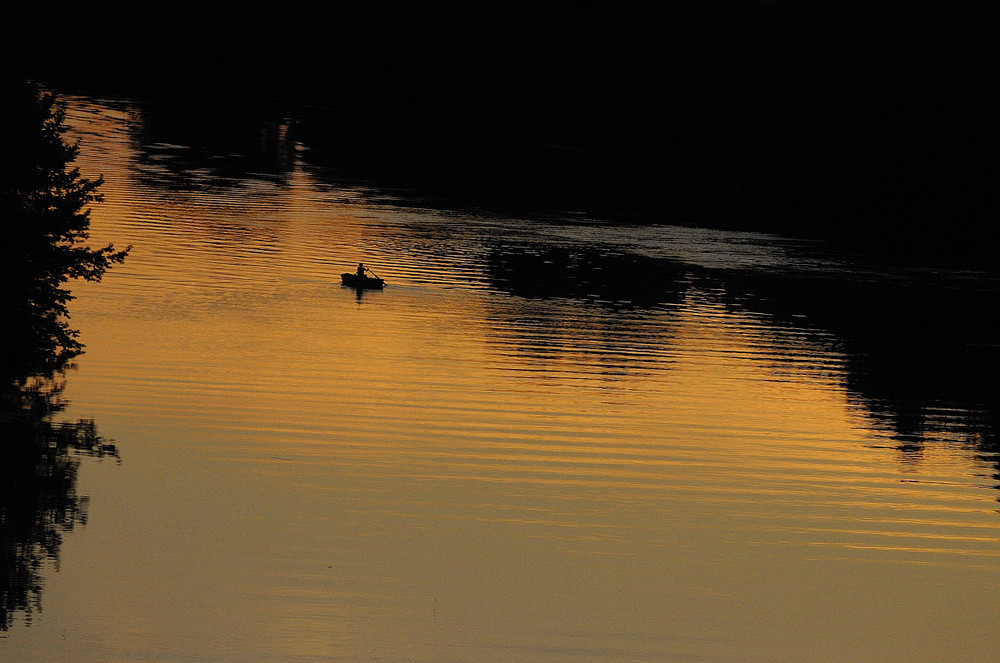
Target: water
[(721, 464)]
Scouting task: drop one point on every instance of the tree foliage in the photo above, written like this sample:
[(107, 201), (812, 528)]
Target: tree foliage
[(44, 229)]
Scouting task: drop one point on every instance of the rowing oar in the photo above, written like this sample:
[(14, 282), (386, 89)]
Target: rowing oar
[(373, 273)]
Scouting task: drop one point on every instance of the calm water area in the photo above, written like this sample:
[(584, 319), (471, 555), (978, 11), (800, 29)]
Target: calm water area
[(547, 439)]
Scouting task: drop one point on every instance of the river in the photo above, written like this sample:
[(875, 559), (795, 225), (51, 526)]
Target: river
[(547, 439)]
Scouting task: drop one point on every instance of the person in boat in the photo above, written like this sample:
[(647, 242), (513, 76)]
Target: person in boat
[(361, 270)]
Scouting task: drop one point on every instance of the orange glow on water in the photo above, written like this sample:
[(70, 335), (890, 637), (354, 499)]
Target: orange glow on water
[(446, 470)]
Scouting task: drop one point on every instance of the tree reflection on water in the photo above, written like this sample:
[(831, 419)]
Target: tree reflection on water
[(918, 348), (920, 352), (614, 278), (39, 501), (44, 224)]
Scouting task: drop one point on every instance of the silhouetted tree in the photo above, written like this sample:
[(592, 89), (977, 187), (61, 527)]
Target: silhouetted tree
[(44, 227)]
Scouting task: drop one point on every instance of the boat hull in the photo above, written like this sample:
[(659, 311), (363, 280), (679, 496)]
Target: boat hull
[(361, 282)]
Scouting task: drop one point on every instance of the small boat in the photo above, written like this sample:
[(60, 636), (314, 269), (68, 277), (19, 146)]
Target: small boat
[(361, 282)]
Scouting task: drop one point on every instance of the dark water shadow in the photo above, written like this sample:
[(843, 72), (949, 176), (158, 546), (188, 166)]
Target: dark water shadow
[(360, 294), (916, 351), (184, 147), (920, 351), (40, 501), (601, 310), (848, 120), (605, 277)]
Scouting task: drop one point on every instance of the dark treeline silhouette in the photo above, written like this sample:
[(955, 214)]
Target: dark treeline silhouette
[(43, 229), (551, 319), (44, 226), (613, 278), (865, 121), (919, 350)]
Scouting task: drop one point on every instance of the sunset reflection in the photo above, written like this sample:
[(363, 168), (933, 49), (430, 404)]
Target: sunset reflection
[(465, 464)]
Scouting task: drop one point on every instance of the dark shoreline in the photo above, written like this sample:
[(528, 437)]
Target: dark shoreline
[(865, 124)]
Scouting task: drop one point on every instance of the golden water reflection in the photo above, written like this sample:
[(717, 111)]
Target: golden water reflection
[(449, 470)]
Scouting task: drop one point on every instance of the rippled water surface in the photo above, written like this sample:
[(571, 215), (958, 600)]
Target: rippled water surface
[(545, 440)]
